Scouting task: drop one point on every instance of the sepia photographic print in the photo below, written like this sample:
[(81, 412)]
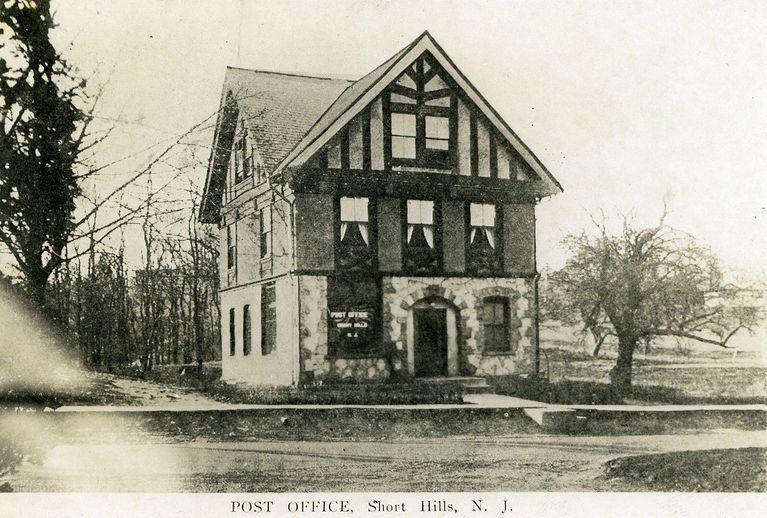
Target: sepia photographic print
[(385, 259)]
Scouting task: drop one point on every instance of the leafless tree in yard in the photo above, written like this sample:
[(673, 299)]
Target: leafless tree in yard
[(644, 283)]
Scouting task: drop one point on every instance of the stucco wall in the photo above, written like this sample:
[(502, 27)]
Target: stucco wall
[(314, 231), (519, 238), (276, 368)]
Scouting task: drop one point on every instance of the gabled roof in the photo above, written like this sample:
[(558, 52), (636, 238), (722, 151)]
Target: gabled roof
[(278, 109), (344, 102), (292, 116), (358, 96)]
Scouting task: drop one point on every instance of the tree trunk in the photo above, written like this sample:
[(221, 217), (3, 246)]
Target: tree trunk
[(198, 326), (620, 374), (38, 282)]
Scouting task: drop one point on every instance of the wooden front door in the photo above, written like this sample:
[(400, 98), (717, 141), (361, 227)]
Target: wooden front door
[(430, 348)]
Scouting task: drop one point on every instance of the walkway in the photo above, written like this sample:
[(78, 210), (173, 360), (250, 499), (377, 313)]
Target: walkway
[(158, 398)]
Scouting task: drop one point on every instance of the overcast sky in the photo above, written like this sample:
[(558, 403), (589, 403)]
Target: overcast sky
[(626, 103)]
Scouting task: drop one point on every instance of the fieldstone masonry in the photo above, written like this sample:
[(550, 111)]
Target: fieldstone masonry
[(400, 294), (316, 364), (466, 295)]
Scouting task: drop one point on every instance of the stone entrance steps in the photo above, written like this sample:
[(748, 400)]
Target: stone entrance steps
[(471, 384)]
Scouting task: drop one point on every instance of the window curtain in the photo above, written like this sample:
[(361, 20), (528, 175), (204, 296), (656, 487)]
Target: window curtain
[(482, 217), (420, 213), (363, 228), (428, 233), (487, 232), (354, 211)]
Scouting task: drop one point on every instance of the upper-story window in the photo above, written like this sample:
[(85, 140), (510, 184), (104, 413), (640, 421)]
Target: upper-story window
[(483, 250), (354, 240), (437, 133), (243, 159), (354, 222), (421, 250), (403, 135), (420, 110), (265, 231), (231, 247)]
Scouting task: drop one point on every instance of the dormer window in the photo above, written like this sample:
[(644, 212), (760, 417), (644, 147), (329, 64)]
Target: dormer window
[(243, 159), (421, 106)]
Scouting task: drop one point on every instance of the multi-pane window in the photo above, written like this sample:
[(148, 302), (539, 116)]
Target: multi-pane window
[(420, 106), (495, 324), (268, 318), (421, 236), (232, 331), (483, 251), (437, 133), (403, 135), (265, 231), (246, 330), (354, 238), (231, 247)]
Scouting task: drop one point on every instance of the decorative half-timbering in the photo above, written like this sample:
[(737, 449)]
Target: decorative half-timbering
[(373, 228)]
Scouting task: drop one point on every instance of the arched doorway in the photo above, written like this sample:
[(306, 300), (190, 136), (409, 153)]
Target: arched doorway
[(432, 338)]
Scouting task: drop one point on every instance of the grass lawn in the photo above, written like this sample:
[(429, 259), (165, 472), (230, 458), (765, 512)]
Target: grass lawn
[(577, 378), (732, 470)]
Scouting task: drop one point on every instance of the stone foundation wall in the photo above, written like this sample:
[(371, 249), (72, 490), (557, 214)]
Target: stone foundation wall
[(465, 297), (314, 340), (400, 294), (313, 297)]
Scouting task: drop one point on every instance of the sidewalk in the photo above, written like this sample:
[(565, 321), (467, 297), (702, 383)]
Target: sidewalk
[(470, 401)]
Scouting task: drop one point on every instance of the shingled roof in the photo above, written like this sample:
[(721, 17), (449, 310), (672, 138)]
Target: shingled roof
[(278, 109), (345, 100), (291, 116)]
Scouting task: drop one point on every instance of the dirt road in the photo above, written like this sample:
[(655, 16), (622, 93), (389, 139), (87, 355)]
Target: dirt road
[(522, 463)]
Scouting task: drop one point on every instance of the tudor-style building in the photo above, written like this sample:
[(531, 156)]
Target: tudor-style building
[(372, 228)]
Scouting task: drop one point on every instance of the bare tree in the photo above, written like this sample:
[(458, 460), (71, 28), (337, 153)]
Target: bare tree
[(48, 149), (642, 284)]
